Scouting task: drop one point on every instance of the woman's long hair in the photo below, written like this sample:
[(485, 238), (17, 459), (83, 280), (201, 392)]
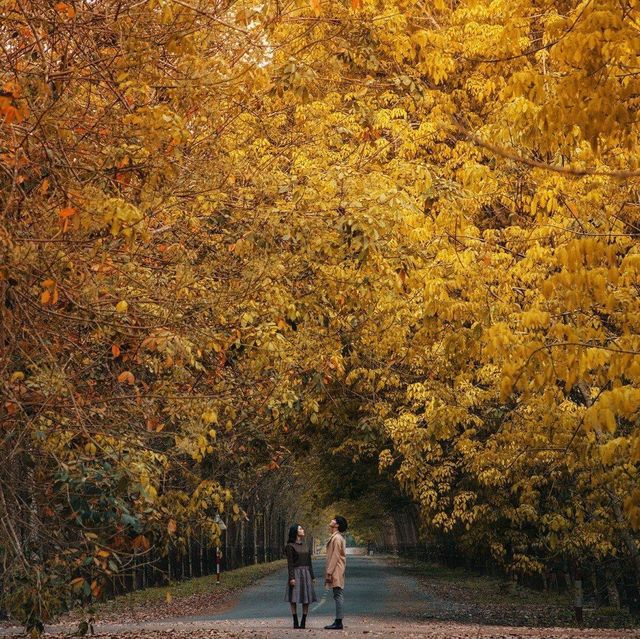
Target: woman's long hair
[(293, 533)]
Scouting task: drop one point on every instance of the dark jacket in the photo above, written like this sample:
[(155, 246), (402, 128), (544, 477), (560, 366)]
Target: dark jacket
[(298, 555)]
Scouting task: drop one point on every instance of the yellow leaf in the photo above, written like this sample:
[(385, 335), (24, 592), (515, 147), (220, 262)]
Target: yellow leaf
[(122, 306), (505, 388), (315, 5)]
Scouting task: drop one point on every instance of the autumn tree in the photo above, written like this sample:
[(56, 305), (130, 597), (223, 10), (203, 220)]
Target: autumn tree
[(475, 164), (133, 341)]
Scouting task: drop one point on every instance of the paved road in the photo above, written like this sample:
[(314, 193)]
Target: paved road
[(373, 589)]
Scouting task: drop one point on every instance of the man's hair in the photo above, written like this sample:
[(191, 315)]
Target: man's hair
[(342, 523)]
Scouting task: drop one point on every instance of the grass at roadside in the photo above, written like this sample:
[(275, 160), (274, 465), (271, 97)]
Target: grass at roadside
[(462, 595), (200, 595), (485, 588)]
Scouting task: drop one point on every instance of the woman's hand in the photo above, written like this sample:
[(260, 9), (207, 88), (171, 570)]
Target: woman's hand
[(292, 582)]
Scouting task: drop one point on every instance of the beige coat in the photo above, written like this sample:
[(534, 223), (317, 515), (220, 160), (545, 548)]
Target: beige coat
[(336, 561)]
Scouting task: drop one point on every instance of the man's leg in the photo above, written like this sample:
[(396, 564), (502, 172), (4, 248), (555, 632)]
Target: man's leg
[(338, 598)]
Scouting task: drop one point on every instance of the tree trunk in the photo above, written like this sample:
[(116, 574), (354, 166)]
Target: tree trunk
[(255, 537), (264, 535), (612, 589)]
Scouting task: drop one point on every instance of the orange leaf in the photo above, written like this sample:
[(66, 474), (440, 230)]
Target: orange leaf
[(115, 350), (68, 212), (315, 5), (63, 7), (45, 297), (77, 583), (10, 114), (126, 377), (356, 4), (54, 297), (153, 425), (172, 526), (141, 542)]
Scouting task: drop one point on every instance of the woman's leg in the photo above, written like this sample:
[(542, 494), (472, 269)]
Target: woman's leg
[(305, 611), (294, 614)]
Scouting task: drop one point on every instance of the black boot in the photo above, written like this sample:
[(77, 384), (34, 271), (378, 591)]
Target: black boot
[(295, 621), (336, 625), (303, 623)]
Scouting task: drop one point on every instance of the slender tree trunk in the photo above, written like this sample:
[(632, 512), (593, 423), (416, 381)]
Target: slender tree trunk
[(10, 532), (612, 589), (226, 545), (242, 543), (255, 537), (201, 550), (264, 535)]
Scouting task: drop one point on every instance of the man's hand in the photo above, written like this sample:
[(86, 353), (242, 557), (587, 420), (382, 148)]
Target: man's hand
[(292, 582)]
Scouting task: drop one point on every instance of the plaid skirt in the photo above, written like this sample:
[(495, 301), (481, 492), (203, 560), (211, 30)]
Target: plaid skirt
[(303, 592)]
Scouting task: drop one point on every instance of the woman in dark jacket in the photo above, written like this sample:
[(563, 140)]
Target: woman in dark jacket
[(300, 588)]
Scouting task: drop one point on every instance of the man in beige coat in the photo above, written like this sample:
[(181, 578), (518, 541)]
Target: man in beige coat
[(335, 567)]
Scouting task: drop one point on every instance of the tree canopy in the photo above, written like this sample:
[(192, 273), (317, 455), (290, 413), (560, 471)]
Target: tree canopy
[(400, 233)]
